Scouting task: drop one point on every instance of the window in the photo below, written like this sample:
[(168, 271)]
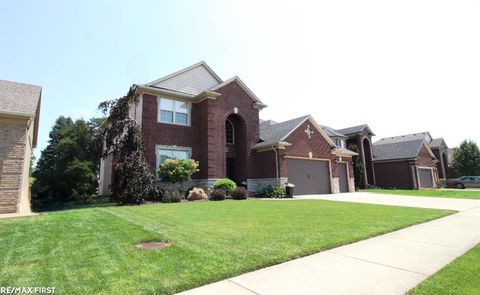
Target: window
[(165, 153), (173, 111), (229, 132), (340, 142)]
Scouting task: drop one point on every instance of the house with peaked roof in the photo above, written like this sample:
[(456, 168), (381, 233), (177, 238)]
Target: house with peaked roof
[(361, 137), (406, 162), (193, 113), (19, 117)]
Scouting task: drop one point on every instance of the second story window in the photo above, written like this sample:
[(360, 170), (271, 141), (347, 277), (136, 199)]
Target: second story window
[(173, 111)]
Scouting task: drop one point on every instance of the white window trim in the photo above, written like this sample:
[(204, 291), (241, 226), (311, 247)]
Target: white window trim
[(233, 132), (189, 111), (169, 147)]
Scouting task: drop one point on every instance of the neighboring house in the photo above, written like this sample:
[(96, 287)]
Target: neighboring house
[(440, 150), (193, 113), (361, 136), (405, 162), (19, 116)]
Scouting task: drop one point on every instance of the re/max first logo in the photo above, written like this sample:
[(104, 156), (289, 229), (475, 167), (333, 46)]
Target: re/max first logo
[(27, 290)]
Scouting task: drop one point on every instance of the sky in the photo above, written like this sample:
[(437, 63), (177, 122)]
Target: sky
[(399, 66)]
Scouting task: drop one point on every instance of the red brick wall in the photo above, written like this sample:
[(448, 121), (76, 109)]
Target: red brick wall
[(206, 136), (302, 145), (424, 158), (393, 174)]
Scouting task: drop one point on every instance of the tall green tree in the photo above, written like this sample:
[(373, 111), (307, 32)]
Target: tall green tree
[(466, 159), (68, 166)]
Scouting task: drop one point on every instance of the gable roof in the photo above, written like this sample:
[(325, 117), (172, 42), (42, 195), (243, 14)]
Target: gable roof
[(272, 134), (355, 129), (437, 143), (243, 86), (195, 82), (19, 98), (399, 150), (332, 132), (191, 80), (408, 137)]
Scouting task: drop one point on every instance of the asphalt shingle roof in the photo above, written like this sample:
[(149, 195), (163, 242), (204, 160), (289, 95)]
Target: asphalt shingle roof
[(332, 132), (353, 129), (397, 150), (436, 143), (274, 133), (401, 138), (19, 97)]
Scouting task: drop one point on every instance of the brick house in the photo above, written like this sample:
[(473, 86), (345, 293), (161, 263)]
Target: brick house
[(405, 162), (361, 136), (19, 116), (193, 113)]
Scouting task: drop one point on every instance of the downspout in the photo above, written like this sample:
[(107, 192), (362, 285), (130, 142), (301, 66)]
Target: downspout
[(276, 162)]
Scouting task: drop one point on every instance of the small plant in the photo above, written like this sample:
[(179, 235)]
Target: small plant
[(274, 191), (240, 193), (172, 196), (226, 184), (177, 170), (217, 194), (197, 194)]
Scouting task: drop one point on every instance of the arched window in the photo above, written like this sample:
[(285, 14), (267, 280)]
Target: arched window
[(229, 132)]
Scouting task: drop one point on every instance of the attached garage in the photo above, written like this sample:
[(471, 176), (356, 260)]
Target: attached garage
[(425, 177), (309, 176), (343, 177)]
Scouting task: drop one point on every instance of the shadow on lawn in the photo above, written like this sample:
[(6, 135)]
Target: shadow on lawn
[(91, 202)]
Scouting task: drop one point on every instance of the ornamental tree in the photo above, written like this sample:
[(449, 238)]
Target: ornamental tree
[(132, 181)]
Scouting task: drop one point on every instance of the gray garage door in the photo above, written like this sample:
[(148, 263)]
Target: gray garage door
[(426, 180), (309, 176), (342, 172)]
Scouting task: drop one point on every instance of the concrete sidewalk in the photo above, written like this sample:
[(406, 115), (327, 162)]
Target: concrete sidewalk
[(389, 264)]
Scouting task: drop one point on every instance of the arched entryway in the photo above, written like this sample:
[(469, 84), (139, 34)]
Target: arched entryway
[(367, 152), (235, 149)]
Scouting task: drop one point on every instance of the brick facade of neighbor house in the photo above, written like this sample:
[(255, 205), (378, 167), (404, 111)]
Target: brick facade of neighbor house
[(212, 103), (19, 116), (405, 162)]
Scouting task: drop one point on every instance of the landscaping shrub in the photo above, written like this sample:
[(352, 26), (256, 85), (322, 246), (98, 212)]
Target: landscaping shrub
[(226, 184), (172, 196), (240, 193), (197, 194), (217, 194), (177, 170), (274, 191)]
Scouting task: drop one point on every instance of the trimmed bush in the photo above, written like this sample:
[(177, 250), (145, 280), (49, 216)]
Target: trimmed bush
[(196, 194), (274, 191), (226, 184), (240, 193), (177, 170), (217, 194), (171, 196)]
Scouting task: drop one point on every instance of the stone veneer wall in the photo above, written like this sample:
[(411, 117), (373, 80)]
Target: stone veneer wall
[(335, 185)]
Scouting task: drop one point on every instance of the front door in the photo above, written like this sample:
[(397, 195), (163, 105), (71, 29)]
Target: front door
[(230, 168)]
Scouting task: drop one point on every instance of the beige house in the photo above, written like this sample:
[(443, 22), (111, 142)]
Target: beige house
[(19, 116)]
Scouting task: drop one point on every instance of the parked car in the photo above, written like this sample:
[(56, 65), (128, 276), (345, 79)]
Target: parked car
[(464, 182)]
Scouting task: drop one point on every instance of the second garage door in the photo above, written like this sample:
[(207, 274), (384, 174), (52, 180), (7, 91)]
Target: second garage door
[(309, 176), (426, 180)]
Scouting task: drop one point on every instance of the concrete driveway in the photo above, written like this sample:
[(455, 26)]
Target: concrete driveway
[(388, 264)]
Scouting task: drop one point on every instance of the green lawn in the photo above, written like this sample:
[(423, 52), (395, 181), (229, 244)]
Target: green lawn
[(440, 193), (92, 250), (459, 277)]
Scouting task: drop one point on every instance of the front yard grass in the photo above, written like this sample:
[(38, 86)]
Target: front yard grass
[(92, 250), (459, 277), (439, 193)]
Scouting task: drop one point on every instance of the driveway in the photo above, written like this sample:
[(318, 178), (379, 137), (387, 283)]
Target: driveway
[(388, 264)]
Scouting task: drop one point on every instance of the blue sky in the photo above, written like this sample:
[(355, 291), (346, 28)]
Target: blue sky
[(400, 66)]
